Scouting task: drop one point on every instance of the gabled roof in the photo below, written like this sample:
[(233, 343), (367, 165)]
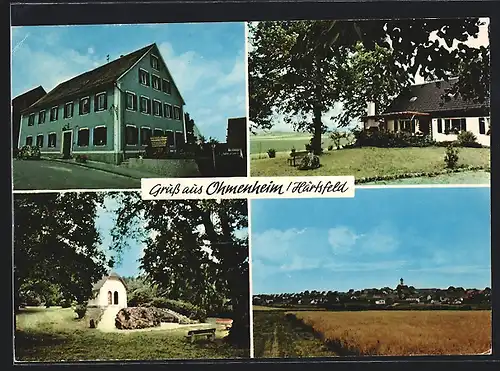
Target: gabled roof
[(97, 286), (91, 80), (425, 98), (36, 93)]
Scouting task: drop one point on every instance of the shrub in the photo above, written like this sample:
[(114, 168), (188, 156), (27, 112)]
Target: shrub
[(29, 153), (467, 139), (186, 309), (271, 152), (80, 310), (309, 162), (451, 157), (81, 158), (66, 303), (386, 139)]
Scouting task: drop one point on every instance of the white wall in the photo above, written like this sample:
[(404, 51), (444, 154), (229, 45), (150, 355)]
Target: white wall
[(112, 284), (472, 125)]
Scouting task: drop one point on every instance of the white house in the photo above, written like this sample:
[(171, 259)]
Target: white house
[(421, 109), (380, 302), (110, 291)]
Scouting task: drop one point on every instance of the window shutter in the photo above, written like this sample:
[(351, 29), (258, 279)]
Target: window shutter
[(72, 108), (439, 125), (106, 101), (80, 107), (463, 124), (95, 103), (160, 108), (139, 76), (149, 105), (148, 79), (151, 60), (57, 112), (134, 102)]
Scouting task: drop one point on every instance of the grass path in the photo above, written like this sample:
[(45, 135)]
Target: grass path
[(275, 336)]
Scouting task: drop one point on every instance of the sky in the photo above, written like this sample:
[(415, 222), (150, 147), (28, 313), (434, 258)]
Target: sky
[(482, 40), (431, 237), (207, 61)]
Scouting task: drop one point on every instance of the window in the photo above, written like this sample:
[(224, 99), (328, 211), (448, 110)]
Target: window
[(100, 102), (131, 101), (482, 126), (446, 126), (170, 137), (395, 125), (158, 133), (157, 108), (155, 81), (405, 125), (439, 125), (131, 135), (83, 137), (100, 136), (144, 77), (68, 110), (41, 117), (167, 110), (179, 138), (52, 140), (145, 135), (31, 119), (53, 114), (29, 140), (177, 113), (84, 106), (166, 87), (145, 105), (39, 140), (155, 62)]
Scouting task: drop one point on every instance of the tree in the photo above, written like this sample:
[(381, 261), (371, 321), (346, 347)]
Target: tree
[(56, 245), (303, 67), (193, 250)]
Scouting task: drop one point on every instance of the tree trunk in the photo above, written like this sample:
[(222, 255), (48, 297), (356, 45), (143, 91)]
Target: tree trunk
[(317, 110)]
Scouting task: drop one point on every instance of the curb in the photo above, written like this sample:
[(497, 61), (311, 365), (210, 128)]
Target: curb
[(86, 165)]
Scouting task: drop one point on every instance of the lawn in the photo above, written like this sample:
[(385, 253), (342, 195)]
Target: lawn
[(54, 334), (323, 333), (372, 162)]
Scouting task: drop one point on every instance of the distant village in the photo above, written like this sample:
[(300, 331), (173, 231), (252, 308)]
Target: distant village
[(402, 295)]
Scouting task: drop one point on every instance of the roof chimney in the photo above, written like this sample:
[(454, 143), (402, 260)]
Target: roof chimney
[(370, 109)]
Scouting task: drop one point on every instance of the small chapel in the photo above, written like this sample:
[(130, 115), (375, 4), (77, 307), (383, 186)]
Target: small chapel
[(110, 291)]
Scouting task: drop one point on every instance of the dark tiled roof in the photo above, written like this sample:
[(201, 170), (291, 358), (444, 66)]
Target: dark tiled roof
[(39, 91), (428, 98), (97, 286), (88, 81)]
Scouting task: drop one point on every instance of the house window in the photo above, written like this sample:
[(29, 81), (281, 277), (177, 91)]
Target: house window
[(395, 126), (170, 137), (115, 297), (167, 110), (144, 77), (145, 105), (83, 137), (157, 108), (100, 102), (39, 140), (482, 125), (166, 87), (29, 140), (158, 133), (145, 135), (84, 106), (31, 119), (68, 110), (177, 113), (41, 117), (109, 298), (52, 140), (53, 114), (405, 125), (155, 62), (439, 125), (100, 136), (131, 135), (131, 101), (155, 81), (447, 126)]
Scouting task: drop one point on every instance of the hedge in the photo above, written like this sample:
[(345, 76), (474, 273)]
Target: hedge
[(186, 309)]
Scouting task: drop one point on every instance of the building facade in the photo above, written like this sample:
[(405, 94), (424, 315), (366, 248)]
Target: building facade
[(422, 109), (19, 104), (109, 113), (110, 291)]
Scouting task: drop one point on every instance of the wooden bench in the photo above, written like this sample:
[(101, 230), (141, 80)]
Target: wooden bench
[(292, 159), (208, 332)]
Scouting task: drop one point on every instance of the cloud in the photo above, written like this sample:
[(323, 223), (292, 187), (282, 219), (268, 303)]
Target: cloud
[(354, 266), (276, 245), (454, 269), (342, 239)]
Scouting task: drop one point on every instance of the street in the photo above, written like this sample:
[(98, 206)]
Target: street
[(51, 175)]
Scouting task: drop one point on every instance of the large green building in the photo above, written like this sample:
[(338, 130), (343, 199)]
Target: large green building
[(108, 113)]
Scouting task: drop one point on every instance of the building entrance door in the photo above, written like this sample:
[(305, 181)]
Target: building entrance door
[(66, 144)]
